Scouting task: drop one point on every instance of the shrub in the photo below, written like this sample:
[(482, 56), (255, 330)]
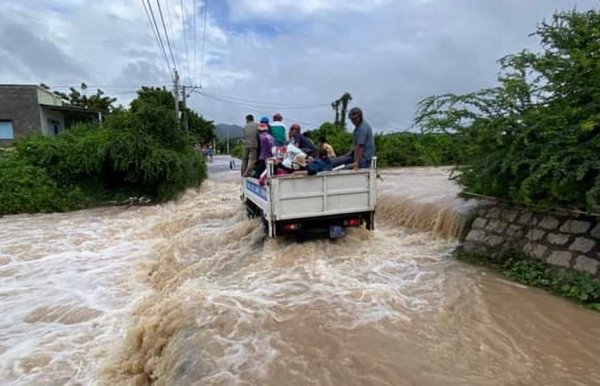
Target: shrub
[(238, 150), (26, 188), (141, 152)]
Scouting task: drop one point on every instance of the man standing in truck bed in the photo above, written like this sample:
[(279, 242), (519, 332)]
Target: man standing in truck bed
[(364, 143), (250, 146), (278, 130)]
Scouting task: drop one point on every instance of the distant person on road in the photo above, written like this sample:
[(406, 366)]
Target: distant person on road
[(250, 146), (278, 130), (301, 142), (265, 144), (211, 153), (323, 144)]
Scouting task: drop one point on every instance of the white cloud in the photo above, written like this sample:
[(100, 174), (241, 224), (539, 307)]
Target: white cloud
[(294, 8)]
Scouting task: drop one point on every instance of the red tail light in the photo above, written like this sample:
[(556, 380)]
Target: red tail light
[(291, 227), (353, 222)]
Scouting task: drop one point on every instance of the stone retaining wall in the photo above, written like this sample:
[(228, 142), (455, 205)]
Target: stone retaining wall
[(560, 238)]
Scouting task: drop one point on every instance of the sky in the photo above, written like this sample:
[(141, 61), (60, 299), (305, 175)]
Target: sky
[(263, 57)]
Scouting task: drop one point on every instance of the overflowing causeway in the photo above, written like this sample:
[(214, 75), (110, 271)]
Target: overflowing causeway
[(190, 293)]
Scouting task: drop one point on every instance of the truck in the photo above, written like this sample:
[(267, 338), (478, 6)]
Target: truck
[(300, 205)]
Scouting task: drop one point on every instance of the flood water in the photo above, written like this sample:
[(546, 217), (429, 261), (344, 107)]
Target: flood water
[(191, 293)]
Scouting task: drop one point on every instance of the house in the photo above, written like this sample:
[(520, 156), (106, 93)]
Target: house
[(32, 110)]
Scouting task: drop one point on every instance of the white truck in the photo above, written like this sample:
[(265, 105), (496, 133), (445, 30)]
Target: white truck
[(301, 205)]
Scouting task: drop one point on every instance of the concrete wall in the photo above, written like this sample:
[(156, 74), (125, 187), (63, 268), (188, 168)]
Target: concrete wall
[(49, 119), (563, 239), (19, 104)]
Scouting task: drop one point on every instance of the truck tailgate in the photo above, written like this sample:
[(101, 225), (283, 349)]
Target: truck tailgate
[(325, 194)]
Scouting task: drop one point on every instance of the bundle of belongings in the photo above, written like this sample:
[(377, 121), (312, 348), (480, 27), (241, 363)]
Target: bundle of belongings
[(291, 160)]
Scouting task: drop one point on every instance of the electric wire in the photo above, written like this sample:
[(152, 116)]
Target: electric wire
[(203, 43), (161, 47), (261, 104), (162, 19), (170, 26), (195, 45), (256, 108), (185, 41)]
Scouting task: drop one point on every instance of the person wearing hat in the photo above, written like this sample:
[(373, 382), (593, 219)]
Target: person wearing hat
[(265, 145), (300, 160), (278, 130), (265, 120), (364, 142)]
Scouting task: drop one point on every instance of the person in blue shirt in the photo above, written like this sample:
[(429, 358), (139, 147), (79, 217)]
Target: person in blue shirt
[(321, 164), (364, 142)]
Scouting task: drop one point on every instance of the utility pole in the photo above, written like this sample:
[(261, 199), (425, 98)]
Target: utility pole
[(185, 111), (176, 96), (228, 140)]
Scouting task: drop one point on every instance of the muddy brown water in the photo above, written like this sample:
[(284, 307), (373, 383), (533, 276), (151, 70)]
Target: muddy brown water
[(191, 293)]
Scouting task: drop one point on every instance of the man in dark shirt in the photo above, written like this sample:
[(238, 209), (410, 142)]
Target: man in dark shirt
[(301, 142)]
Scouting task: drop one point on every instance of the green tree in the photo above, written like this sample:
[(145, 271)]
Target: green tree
[(154, 113), (200, 130), (535, 138), (136, 152), (338, 138), (79, 99)]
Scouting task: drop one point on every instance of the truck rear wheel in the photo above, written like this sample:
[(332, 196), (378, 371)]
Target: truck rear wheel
[(370, 221)]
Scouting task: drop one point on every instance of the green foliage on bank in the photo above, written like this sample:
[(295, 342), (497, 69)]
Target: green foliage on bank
[(238, 150), (535, 138), (137, 152), (517, 266), (28, 188)]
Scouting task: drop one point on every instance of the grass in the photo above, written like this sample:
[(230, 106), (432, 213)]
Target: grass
[(518, 266)]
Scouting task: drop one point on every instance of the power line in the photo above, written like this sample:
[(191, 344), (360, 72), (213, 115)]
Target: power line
[(187, 52), (203, 43), (253, 103), (254, 108), (195, 46), (162, 19), (122, 86), (155, 31), (170, 25), (256, 105)]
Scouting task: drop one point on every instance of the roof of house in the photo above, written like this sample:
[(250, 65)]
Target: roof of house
[(72, 108)]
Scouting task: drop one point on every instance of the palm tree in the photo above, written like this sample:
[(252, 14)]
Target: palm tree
[(345, 99), (336, 106)]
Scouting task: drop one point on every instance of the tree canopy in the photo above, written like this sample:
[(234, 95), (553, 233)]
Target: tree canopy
[(535, 138), (77, 98)]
